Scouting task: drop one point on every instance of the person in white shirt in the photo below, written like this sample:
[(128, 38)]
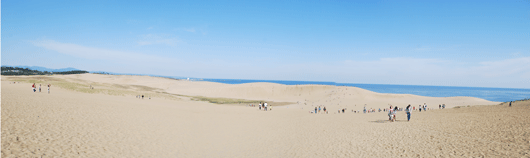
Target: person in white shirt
[(265, 106), (390, 113)]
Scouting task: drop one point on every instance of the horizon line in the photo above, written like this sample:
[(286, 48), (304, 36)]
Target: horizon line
[(180, 77)]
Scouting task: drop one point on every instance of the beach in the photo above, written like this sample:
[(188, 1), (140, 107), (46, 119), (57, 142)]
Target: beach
[(180, 118)]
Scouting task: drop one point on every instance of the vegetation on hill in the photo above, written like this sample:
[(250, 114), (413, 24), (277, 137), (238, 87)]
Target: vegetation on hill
[(25, 71)]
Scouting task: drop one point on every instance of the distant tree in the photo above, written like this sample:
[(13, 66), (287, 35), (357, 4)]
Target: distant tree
[(25, 71)]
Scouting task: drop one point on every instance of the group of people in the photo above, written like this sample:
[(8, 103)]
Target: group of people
[(141, 97), (319, 109), (264, 106), (34, 86), (370, 110), (343, 110), (323, 110), (424, 107), (393, 111)]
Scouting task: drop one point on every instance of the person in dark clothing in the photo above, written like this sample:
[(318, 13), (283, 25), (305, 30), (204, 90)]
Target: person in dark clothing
[(408, 112)]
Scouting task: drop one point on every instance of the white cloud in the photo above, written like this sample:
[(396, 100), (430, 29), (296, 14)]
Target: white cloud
[(513, 72), (509, 67), (97, 53), (423, 48), (201, 29), (153, 39), (190, 30), (149, 28), (436, 48)]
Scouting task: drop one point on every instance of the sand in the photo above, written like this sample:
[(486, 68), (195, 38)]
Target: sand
[(108, 121)]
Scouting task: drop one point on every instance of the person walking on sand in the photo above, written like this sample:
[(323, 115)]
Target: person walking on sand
[(49, 88), (259, 105), (265, 104), (390, 110), (316, 109), (319, 109), (395, 112), (324, 109), (408, 112), (510, 104), (39, 87), (33, 86), (364, 110)]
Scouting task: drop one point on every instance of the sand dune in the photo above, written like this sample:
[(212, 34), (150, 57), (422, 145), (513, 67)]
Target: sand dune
[(108, 121), (309, 95)]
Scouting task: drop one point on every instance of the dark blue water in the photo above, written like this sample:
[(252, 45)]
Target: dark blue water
[(492, 94)]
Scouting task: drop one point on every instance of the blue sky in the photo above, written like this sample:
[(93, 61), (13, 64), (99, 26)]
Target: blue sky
[(447, 43)]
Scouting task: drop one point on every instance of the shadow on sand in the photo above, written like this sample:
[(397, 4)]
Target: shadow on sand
[(387, 121)]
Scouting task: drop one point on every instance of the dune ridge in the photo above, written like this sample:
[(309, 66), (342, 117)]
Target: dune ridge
[(109, 121), (312, 95)]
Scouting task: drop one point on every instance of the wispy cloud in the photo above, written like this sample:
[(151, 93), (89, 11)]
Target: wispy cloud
[(202, 30), (428, 71), (149, 28), (153, 39), (437, 48), (509, 68), (513, 72), (97, 53), (190, 30), (423, 48), (132, 21)]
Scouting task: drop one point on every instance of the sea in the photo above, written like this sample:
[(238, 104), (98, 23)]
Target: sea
[(491, 94)]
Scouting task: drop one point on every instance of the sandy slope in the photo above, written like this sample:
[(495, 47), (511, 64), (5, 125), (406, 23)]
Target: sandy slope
[(307, 96), (68, 123)]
